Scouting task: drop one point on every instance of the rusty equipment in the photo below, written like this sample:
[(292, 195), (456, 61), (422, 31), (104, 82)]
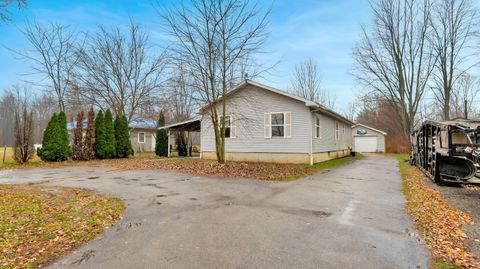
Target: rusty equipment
[(448, 151)]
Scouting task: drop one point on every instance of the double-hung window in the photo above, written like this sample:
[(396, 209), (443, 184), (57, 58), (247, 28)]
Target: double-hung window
[(318, 133), (141, 137), (278, 124)]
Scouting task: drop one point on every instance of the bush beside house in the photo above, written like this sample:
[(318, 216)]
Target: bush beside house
[(90, 136), (110, 143), (55, 144), (102, 138), (122, 137), (161, 141)]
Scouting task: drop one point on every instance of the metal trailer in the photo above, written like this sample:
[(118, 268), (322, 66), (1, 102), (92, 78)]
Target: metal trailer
[(448, 151)]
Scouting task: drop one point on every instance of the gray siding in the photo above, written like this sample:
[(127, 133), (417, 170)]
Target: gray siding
[(149, 144), (327, 141), (248, 106), (380, 137)]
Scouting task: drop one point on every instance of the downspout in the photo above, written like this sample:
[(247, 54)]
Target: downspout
[(201, 148), (311, 139), (168, 154)]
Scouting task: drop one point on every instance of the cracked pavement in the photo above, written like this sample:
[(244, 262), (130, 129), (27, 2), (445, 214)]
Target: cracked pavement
[(349, 217)]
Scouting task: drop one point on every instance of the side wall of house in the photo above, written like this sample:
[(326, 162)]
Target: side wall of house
[(327, 146), (248, 107), (380, 137), (327, 141)]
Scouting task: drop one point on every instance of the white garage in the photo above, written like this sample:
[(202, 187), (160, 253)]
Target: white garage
[(368, 139)]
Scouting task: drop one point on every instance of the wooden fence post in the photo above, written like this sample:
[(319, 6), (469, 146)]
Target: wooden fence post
[(4, 153)]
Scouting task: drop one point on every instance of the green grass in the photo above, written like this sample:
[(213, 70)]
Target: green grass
[(307, 170), (38, 224), (447, 265)]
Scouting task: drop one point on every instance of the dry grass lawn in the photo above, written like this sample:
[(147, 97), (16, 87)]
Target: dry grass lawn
[(265, 171), (38, 224)]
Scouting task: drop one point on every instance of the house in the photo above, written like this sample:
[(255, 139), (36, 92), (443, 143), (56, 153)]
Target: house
[(142, 133), (268, 125), (368, 139)]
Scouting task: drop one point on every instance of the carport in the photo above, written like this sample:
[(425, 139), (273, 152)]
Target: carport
[(189, 126)]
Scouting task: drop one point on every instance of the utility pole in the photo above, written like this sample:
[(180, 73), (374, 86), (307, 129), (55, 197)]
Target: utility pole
[(466, 109)]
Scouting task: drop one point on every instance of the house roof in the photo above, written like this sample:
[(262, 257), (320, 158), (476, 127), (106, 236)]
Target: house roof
[(313, 105), (142, 123), (368, 127)]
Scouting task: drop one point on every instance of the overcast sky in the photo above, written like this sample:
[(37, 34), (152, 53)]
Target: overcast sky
[(325, 30)]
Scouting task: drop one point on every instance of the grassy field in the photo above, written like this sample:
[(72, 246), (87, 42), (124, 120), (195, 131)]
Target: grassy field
[(441, 226), (6, 158), (38, 224)]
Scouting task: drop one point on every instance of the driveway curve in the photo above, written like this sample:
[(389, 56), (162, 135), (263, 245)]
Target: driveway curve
[(349, 217)]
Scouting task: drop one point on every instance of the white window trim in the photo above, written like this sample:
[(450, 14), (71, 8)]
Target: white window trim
[(144, 138), (271, 124), (319, 126)]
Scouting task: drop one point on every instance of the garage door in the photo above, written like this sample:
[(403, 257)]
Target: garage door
[(366, 144)]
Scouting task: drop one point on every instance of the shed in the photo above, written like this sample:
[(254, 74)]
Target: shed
[(368, 139)]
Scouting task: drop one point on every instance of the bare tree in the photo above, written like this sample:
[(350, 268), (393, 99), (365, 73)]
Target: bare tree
[(375, 111), (120, 71), (394, 58), (452, 31), (52, 55), (352, 110), (7, 118), (182, 98), (6, 4), (307, 83), (464, 97), (213, 38), (43, 106), (79, 138), (23, 131)]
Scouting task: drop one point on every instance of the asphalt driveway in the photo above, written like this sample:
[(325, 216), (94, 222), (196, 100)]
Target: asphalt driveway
[(350, 217)]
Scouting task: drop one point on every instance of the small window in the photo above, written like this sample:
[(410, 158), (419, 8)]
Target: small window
[(343, 129), (317, 128), (228, 126), (337, 135), (141, 137), (278, 124)]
